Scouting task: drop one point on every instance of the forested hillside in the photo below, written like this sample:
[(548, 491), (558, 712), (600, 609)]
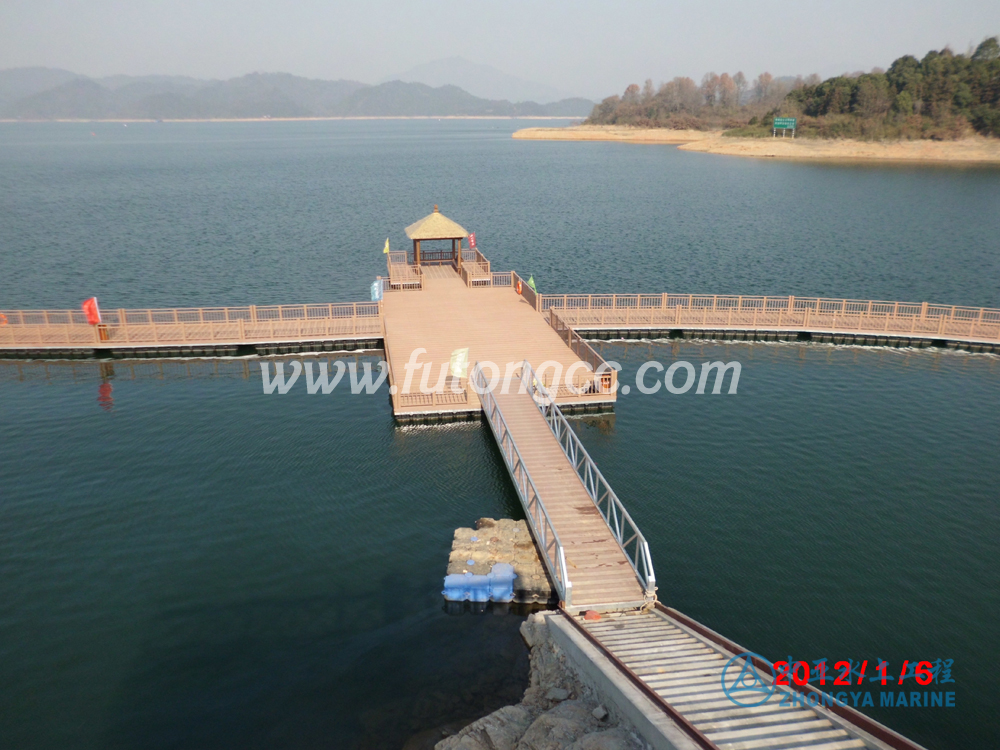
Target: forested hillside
[(943, 96)]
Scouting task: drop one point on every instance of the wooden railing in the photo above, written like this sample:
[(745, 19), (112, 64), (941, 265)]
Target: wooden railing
[(435, 398), (526, 291), (475, 273), (473, 256), (505, 278), (402, 273), (436, 257), (602, 379), (28, 329), (476, 269), (775, 313)]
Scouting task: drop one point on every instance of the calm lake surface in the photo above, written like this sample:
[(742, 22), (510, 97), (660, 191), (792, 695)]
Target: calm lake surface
[(188, 563)]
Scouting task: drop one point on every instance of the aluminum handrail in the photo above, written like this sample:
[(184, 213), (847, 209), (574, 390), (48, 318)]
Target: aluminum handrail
[(553, 552), (610, 507)]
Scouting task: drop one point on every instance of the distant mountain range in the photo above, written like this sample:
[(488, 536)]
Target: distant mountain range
[(479, 80), (52, 94)]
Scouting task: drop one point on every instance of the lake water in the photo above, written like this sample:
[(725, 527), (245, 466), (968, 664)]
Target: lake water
[(186, 563)]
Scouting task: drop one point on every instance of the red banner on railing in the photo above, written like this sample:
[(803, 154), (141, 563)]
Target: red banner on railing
[(92, 311), (472, 240)]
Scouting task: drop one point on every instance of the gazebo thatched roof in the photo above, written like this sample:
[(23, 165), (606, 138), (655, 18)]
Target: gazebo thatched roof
[(436, 226)]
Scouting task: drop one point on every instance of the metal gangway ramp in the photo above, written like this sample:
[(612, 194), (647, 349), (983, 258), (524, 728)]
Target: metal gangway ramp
[(595, 554), (689, 670)]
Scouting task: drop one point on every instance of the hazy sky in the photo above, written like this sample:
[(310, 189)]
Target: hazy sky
[(582, 47)]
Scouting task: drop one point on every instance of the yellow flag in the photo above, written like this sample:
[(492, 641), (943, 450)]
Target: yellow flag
[(386, 245)]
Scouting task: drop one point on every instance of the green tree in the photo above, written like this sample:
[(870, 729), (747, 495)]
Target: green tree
[(988, 49)]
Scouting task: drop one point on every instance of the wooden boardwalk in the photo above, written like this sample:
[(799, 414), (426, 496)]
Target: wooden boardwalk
[(853, 321), (282, 329)]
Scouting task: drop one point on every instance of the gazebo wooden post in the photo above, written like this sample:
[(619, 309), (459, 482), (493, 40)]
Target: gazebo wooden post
[(456, 251), (416, 252)]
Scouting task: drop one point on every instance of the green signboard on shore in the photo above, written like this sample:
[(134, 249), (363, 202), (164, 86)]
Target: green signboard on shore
[(785, 123)]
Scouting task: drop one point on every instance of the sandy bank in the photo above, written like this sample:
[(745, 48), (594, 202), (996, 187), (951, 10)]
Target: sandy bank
[(612, 133), (976, 150)]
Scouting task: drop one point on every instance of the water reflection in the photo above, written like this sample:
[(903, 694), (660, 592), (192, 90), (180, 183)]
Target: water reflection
[(104, 398)]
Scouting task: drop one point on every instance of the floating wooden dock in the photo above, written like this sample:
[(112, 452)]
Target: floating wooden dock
[(288, 329), (496, 325)]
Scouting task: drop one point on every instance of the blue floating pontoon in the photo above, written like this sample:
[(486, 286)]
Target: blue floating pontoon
[(498, 586)]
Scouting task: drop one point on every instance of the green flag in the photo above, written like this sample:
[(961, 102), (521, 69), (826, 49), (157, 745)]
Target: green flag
[(531, 283)]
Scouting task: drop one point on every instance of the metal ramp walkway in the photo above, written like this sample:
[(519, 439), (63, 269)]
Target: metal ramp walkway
[(596, 556), (598, 560), (682, 665)]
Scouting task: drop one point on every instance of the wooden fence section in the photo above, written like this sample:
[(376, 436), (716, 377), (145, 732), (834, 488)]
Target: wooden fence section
[(589, 311), (193, 326), (601, 379), (402, 273), (526, 291), (476, 269)]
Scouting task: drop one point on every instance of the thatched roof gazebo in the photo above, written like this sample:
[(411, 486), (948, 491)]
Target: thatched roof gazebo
[(437, 226)]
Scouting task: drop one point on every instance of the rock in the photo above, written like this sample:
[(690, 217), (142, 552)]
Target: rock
[(547, 718), (529, 631), (608, 739), (501, 730), (558, 728)]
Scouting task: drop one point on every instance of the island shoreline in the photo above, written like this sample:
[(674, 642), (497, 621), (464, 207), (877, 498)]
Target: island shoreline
[(976, 150)]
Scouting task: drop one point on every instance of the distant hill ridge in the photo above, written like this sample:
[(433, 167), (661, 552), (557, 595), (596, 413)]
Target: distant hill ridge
[(52, 94)]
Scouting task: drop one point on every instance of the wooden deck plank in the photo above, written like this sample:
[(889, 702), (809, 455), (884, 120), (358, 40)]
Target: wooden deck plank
[(495, 323)]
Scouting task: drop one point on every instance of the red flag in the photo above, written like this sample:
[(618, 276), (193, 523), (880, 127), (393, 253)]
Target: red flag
[(472, 240), (92, 311)]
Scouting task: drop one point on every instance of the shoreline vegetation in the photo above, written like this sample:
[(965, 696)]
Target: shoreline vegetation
[(944, 97), (944, 108), (970, 150)]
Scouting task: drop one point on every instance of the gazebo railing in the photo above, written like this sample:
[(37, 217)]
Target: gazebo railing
[(436, 257)]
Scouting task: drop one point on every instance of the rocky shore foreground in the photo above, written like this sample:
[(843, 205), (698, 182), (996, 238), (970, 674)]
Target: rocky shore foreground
[(973, 150), (558, 711)]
